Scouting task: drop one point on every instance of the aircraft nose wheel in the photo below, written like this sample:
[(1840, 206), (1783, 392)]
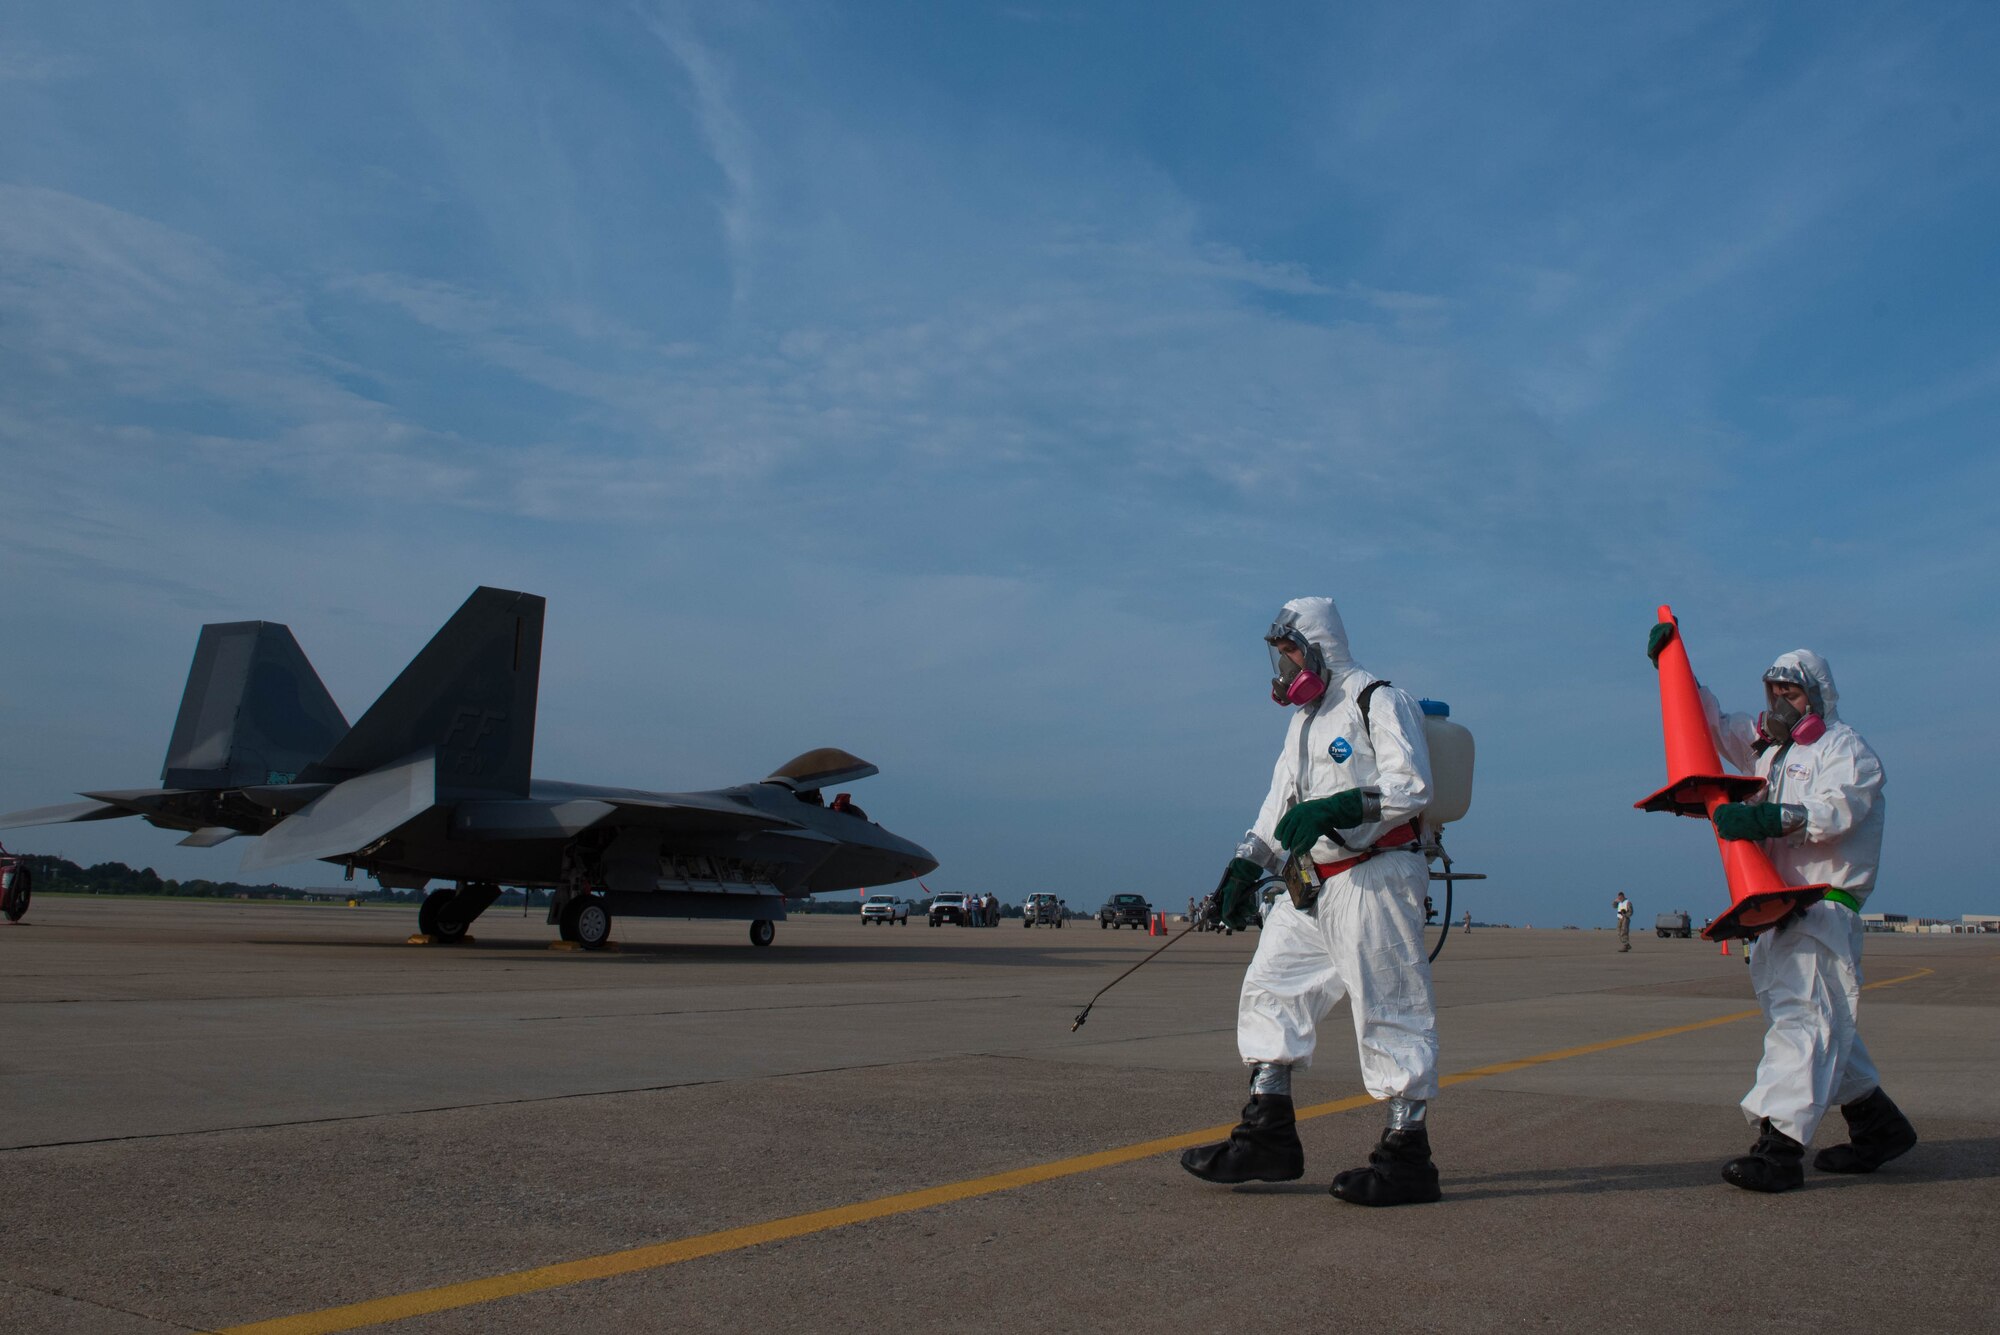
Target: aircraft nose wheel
[(15, 902), (437, 919), (586, 920), (762, 932)]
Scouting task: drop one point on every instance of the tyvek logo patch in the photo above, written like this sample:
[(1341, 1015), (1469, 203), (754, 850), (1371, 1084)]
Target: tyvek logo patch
[(1340, 749), (1798, 771)]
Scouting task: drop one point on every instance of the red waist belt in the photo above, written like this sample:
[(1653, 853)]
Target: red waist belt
[(1396, 838)]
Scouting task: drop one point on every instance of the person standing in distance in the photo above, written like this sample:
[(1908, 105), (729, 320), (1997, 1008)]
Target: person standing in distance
[(1819, 817), (1351, 780), (1623, 907)]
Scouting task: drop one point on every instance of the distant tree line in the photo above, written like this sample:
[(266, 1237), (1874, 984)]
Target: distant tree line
[(52, 874)]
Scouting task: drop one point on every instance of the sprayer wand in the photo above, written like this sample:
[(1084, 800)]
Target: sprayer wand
[(1084, 1014)]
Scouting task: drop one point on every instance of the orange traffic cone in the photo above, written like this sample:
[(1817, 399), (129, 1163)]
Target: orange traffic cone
[(1697, 785), (1725, 946)]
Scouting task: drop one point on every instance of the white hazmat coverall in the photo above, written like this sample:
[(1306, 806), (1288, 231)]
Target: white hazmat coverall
[(1365, 936), (1808, 972)]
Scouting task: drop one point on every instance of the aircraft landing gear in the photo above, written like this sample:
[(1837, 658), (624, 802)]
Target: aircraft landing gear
[(15, 879), (15, 902), (586, 920), (446, 915), (762, 932)]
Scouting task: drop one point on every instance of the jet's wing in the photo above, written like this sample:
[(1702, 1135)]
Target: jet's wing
[(526, 818), (163, 808), (561, 818), (209, 836), (351, 815), (64, 814)]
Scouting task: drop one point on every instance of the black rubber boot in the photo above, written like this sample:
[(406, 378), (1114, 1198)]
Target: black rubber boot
[(1775, 1163), (1877, 1132), (1399, 1172), (1264, 1147)]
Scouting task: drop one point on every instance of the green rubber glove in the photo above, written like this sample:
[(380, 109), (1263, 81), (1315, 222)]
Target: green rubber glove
[(1305, 824), (1661, 635), (1236, 897), (1750, 820)]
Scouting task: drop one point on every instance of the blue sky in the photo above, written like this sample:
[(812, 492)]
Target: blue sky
[(967, 385)]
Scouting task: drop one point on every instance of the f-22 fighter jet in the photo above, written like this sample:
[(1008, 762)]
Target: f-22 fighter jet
[(433, 784)]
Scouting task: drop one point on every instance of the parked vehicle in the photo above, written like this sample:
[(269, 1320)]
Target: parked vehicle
[(951, 908), (14, 886), (1125, 911), (1673, 924), (1043, 910), (884, 909)]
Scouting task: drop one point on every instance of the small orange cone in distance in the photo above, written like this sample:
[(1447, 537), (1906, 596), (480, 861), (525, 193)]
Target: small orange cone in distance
[(1697, 785)]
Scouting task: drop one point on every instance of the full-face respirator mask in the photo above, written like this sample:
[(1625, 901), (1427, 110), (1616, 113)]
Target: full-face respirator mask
[(1297, 678), (1781, 721)]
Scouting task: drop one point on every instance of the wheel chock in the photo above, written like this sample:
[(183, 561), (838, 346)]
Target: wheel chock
[(426, 939), (608, 948)]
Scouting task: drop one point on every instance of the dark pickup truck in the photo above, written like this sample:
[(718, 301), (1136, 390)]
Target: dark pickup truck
[(1125, 911)]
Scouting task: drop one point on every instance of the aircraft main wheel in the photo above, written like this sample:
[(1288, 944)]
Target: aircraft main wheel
[(19, 890), (593, 923), (436, 920), (763, 932), (566, 920)]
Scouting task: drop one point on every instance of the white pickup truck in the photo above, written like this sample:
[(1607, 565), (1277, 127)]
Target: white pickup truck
[(884, 909)]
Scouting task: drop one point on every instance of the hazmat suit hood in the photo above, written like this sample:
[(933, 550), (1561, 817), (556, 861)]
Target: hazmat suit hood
[(1816, 671), (1319, 621)]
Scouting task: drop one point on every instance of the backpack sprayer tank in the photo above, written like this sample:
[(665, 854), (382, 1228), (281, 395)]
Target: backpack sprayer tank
[(1451, 766), (1450, 746)]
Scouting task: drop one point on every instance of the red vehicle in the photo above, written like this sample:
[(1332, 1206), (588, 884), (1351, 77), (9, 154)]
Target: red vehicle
[(14, 886)]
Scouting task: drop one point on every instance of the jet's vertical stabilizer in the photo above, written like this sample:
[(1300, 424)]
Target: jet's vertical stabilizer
[(254, 711), (470, 693)]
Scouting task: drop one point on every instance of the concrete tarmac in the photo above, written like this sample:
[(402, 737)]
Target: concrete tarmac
[(219, 1115)]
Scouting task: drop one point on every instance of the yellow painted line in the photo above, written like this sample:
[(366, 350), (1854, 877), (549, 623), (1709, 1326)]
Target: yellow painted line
[(657, 1255)]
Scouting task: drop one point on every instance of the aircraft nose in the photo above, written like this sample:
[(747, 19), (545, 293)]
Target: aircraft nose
[(873, 857), (917, 859)]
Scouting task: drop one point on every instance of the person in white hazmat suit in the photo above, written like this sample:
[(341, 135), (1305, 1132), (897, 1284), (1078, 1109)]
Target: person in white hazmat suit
[(1350, 783), (1819, 817)]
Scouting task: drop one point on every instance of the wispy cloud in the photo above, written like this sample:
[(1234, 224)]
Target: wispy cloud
[(26, 61), (728, 138)]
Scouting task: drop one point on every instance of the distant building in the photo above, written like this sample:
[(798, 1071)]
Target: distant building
[(1903, 922)]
